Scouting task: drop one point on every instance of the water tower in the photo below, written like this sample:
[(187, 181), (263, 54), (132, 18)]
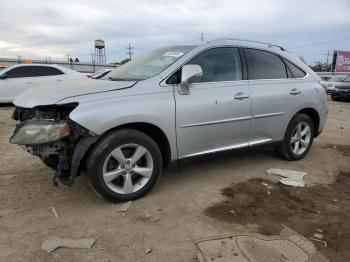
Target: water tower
[(100, 52)]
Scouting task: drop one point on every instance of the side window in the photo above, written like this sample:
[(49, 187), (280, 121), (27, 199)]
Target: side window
[(219, 64), (22, 71), (175, 78), (46, 71), (295, 71), (265, 65)]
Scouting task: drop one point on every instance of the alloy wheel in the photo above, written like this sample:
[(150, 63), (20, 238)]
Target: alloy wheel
[(127, 168), (301, 137)]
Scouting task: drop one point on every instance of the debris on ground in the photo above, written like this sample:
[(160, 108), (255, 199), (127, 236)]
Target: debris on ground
[(54, 212), (307, 210), (288, 246), (317, 235), (125, 206), (52, 244), (148, 250), (290, 177), (318, 240), (146, 216)]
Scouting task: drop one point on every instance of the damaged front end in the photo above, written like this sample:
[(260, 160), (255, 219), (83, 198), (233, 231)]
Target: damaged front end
[(49, 133)]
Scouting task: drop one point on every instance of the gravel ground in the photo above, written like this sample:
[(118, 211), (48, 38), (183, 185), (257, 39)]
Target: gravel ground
[(166, 221)]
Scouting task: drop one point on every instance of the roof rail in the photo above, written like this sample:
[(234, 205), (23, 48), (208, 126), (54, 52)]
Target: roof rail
[(245, 40)]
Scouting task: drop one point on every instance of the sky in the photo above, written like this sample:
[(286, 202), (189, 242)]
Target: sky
[(38, 29)]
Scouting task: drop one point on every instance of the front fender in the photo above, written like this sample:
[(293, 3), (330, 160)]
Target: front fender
[(102, 115)]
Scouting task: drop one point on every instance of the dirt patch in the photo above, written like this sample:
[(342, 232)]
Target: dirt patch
[(343, 149), (307, 210)]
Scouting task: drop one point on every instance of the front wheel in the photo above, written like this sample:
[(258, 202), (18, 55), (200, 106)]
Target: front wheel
[(124, 165), (297, 139)]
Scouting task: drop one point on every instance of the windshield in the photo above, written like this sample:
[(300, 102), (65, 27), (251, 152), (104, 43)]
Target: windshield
[(336, 79), (347, 79), (101, 74), (149, 64)]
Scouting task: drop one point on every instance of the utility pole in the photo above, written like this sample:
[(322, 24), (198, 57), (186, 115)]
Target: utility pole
[(327, 57), (129, 48), (328, 60), (202, 37), (93, 62), (68, 57)]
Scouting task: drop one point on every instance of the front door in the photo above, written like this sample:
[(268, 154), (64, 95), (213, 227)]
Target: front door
[(18, 80), (47, 74), (216, 114)]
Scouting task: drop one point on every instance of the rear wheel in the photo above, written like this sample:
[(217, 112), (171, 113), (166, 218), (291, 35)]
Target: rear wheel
[(297, 139), (124, 165)]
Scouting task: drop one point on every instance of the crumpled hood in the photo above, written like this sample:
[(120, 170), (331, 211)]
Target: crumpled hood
[(48, 94)]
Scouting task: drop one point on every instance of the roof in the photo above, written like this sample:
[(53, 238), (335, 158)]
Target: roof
[(246, 42)]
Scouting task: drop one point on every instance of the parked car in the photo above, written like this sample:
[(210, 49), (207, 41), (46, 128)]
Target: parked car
[(341, 90), (17, 78), (2, 66), (331, 82), (170, 104), (102, 73)]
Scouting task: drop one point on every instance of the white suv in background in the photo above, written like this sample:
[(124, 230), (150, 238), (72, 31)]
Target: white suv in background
[(17, 78)]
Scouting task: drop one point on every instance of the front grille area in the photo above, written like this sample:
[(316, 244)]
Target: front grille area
[(55, 112)]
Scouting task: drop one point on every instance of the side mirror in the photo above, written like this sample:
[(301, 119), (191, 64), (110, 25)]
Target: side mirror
[(189, 74), (3, 76)]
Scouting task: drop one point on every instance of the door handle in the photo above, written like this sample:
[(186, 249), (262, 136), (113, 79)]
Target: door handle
[(294, 92), (59, 80), (28, 83), (241, 96)]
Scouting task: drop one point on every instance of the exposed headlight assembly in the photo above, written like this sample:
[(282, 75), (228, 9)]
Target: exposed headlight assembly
[(39, 132)]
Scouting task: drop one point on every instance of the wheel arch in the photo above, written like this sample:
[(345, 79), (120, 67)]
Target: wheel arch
[(156, 133), (314, 115)]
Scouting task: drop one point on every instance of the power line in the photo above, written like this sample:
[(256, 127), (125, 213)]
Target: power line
[(321, 43), (129, 48)]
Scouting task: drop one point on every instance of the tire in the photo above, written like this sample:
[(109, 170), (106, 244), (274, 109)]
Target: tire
[(335, 99), (124, 165), (288, 149)]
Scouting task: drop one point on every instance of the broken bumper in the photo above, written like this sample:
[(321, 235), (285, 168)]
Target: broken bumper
[(50, 134)]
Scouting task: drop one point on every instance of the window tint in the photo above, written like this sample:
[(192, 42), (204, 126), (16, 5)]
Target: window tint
[(219, 64), (23, 71), (295, 71), (265, 65), (46, 71)]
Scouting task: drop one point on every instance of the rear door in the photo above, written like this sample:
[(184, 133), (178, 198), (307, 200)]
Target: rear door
[(47, 74), (215, 116), (18, 79), (276, 94)]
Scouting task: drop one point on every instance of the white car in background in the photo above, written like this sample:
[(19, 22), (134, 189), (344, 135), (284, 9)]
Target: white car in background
[(18, 78)]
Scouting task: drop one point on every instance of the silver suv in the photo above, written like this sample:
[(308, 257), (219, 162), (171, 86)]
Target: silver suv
[(171, 103)]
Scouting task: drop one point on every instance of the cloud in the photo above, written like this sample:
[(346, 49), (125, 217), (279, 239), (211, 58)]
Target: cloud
[(41, 28)]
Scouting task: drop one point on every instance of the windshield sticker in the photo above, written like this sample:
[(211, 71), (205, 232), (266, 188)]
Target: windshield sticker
[(173, 54)]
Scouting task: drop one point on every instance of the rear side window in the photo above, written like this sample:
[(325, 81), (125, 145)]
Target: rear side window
[(46, 71), (295, 71), (219, 64), (265, 65), (18, 72)]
